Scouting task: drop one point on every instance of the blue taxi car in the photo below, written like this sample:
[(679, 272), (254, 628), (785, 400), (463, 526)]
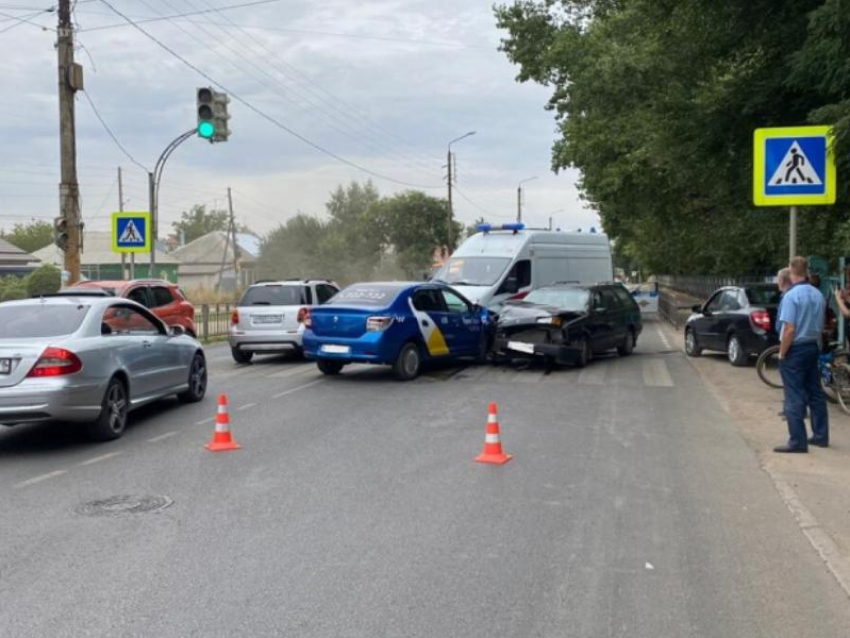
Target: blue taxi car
[(400, 324)]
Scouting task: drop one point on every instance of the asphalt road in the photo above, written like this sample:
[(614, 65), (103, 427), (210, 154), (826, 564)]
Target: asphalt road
[(632, 507)]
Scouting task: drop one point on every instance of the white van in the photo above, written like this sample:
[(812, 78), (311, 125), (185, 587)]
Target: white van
[(508, 262)]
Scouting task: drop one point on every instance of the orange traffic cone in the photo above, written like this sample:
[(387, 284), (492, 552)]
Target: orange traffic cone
[(222, 441), (492, 444)]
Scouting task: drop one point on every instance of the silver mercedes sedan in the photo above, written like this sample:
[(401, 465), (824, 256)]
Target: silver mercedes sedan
[(91, 359)]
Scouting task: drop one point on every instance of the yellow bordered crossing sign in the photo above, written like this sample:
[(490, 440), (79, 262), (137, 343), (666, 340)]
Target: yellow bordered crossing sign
[(131, 232), (793, 166)]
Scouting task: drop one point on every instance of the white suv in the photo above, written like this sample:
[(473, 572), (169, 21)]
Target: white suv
[(269, 318)]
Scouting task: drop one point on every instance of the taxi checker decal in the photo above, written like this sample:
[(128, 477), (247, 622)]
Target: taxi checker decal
[(434, 339)]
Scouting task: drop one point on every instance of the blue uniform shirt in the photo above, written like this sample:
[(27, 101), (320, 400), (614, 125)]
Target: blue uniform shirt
[(804, 306)]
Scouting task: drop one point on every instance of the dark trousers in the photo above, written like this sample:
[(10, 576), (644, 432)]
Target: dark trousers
[(801, 380)]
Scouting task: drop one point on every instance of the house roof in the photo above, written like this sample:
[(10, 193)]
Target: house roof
[(97, 249), (213, 248), (11, 255)]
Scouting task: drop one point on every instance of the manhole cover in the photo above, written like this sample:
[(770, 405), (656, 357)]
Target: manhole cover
[(124, 504)]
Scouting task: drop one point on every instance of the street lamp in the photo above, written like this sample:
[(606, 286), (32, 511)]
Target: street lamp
[(449, 211), (552, 214), (519, 197)]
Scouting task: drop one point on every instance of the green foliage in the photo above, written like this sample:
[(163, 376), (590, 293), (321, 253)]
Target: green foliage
[(473, 228), (12, 288), (44, 280), (30, 237), (364, 238), (197, 222), (656, 103)]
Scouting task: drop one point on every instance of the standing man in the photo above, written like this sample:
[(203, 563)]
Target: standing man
[(802, 317)]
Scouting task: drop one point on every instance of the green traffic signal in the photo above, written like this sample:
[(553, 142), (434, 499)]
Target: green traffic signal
[(206, 129)]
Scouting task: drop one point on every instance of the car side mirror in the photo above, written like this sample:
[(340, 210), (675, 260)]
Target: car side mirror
[(697, 308), (177, 331)]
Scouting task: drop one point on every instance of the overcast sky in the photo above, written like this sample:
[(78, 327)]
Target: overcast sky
[(384, 84)]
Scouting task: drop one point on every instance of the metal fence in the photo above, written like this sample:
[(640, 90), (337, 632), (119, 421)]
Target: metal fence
[(213, 320), (702, 286)]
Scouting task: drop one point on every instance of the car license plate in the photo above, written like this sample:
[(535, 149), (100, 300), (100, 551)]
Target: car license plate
[(332, 349), (266, 319), (5, 366), (519, 346)]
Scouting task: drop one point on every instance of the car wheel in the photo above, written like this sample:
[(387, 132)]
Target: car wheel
[(692, 348), (240, 356), (737, 356), (113, 414), (628, 344), (329, 367), (197, 381), (585, 353), (408, 363)]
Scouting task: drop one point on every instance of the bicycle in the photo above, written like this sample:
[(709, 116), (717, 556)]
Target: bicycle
[(834, 366)]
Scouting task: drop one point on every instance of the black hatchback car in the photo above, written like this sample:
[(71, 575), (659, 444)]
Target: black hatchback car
[(569, 323), (737, 320)]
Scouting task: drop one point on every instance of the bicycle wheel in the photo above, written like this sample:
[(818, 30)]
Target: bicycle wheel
[(767, 367), (841, 384)]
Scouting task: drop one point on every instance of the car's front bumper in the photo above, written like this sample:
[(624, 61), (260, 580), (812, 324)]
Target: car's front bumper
[(36, 400), (561, 353)]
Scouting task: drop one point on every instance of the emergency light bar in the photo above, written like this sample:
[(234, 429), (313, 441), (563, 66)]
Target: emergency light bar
[(515, 227)]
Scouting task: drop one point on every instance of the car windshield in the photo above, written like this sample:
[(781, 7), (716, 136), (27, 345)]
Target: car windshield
[(569, 299), (763, 296), (473, 271), (275, 296), (38, 321), (366, 295)]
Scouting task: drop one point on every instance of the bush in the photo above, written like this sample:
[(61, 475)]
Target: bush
[(44, 280), (12, 288)]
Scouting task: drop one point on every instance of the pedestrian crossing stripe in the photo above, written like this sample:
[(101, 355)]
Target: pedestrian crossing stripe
[(131, 232), (794, 166)]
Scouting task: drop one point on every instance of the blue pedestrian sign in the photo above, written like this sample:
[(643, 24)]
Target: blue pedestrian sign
[(131, 232), (793, 166)]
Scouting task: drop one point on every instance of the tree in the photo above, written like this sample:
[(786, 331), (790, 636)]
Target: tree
[(30, 237), (414, 225), (656, 103), (44, 280), (292, 250), (197, 222)]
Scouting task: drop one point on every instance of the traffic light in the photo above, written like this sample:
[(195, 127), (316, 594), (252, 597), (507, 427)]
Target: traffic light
[(212, 114), (60, 233)]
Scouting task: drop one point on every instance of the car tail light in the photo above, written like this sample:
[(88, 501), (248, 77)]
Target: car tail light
[(234, 317), (378, 324), (305, 317), (56, 362), (761, 319)]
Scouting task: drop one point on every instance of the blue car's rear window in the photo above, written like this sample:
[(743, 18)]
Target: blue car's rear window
[(366, 295)]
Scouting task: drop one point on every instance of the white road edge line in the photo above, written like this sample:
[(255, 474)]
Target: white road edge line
[(100, 458), (161, 437), (205, 421), (246, 406), (39, 479), (300, 387)]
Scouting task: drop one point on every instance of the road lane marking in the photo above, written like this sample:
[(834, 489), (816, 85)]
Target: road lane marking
[(663, 336), (39, 479), (161, 437), (246, 406), (593, 375), (656, 374), (205, 421), (300, 387), (100, 458)]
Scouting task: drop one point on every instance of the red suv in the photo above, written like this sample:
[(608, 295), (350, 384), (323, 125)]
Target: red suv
[(163, 298)]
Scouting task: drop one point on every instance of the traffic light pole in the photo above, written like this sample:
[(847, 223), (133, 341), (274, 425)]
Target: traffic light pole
[(70, 79), (154, 180)]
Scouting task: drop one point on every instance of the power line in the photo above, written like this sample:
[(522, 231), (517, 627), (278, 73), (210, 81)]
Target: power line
[(171, 17), (260, 112), (478, 206), (111, 134), (27, 19)]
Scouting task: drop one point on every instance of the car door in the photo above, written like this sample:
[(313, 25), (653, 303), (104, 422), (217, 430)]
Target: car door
[(599, 323), (465, 323), (138, 341), (163, 305), (433, 318), (139, 294), (616, 316), (730, 305), (705, 325)]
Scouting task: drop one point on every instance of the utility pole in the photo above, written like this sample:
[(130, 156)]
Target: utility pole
[(152, 204), (449, 211), (70, 81), (519, 198), (124, 255), (235, 245)]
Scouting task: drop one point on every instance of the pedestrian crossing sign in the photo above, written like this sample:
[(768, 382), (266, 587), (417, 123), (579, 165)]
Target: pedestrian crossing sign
[(793, 166), (131, 232)]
